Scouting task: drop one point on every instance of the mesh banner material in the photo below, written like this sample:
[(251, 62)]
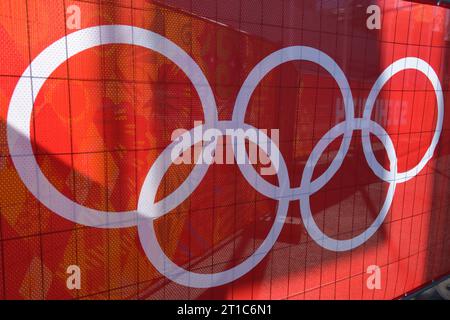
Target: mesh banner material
[(98, 121)]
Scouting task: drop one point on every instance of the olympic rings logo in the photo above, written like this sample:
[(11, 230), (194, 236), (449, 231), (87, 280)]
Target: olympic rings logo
[(32, 80)]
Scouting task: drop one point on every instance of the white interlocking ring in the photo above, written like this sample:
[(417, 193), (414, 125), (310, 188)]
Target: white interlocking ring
[(150, 242), (254, 78), (32, 80), (305, 209), (388, 73)]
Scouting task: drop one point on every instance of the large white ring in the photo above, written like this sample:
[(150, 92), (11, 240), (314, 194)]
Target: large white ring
[(178, 274), (31, 82)]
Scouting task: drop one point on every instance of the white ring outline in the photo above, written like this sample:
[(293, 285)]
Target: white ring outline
[(31, 82), (305, 208), (159, 259), (275, 59), (408, 63)]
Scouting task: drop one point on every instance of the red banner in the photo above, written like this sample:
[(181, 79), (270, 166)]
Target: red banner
[(91, 94)]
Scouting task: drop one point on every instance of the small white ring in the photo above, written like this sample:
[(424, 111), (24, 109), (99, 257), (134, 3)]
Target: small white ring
[(305, 208), (293, 53), (388, 73)]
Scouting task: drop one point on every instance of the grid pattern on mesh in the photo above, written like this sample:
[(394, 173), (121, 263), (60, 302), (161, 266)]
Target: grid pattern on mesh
[(104, 116)]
